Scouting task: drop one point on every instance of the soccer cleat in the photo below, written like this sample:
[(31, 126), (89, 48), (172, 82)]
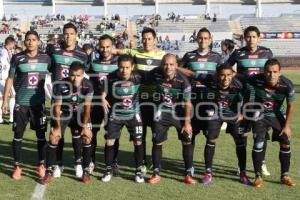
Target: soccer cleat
[(91, 168), (41, 170), (155, 178), (107, 176), (57, 171), (78, 171), (189, 180), (86, 177), (207, 178), (139, 178), (286, 180), (17, 173), (244, 179), (144, 169), (47, 178), (258, 182), (115, 170), (264, 170)]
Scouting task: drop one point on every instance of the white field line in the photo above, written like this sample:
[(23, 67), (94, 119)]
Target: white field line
[(38, 193)]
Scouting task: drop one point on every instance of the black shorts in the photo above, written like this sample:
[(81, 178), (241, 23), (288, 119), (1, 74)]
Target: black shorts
[(35, 114), (147, 112), (198, 123), (214, 128), (162, 125), (97, 117), (261, 127), (73, 121), (133, 125)]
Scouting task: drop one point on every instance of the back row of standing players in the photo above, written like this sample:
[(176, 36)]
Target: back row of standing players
[(68, 62)]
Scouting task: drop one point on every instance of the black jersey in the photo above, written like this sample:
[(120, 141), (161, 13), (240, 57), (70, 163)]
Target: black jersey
[(98, 71), (72, 98), (29, 77), (228, 101), (62, 59), (272, 98), (250, 63)]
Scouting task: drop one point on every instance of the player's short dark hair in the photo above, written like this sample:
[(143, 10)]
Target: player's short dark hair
[(224, 66), (228, 43), (251, 28), (149, 30), (204, 30), (272, 62), (9, 39), (69, 25), (106, 37), (32, 33), (125, 58), (76, 65), (87, 46)]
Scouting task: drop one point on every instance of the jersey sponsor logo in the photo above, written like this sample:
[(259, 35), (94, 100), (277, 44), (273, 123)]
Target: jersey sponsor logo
[(33, 80), (67, 53), (127, 101), (167, 85), (168, 100), (269, 105), (253, 56), (202, 59), (32, 61), (253, 71), (126, 84), (64, 72)]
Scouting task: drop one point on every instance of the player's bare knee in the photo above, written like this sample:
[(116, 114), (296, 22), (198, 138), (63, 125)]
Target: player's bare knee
[(137, 142), (186, 143), (54, 139), (258, 146), (213, 141), (285, 146), (86, 139), (110, 142)]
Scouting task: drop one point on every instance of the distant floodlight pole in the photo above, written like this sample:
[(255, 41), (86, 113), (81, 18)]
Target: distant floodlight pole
[(207, 8), (53, 7), (105, 7), (156, 7), (1, 9), (258, 9)]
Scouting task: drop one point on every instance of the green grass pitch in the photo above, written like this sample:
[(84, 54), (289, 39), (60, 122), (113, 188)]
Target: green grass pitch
[(225, 183)]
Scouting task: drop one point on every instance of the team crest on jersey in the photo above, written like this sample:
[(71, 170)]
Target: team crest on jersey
[(125, 90), (149, 62), (64, 73), (33, 80), (74, 98), (253, 62)]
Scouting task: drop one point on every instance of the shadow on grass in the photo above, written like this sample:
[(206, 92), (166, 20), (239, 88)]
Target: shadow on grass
[(171, 168)]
